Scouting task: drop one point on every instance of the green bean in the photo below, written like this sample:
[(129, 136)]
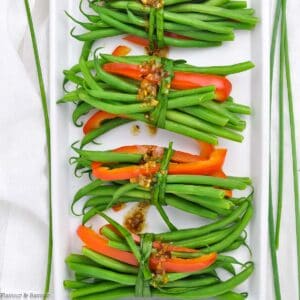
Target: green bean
[(115, 108), (246, 180), (216, 2), (95, 34), (191, 132), (88, 26), (96, 288), (137, 59), (121, 27), (109, 156), (218, 247), (231, 296), (218, 70), (80, 259), (121, 97), (132, 5), (237, 108), (206, 36), (119, 246), (119, 293), (89, 79), (190, 233), (226, 183), (206, 240), (105, 127), (123, 190), (213, 290), (221, 111), (69, 97), (234, 25), (91, 18), (217, 205), (235, 245), (91, 213), (100, 273), (109, 263), (197, 282), (111, 235), (185, 101), (80, 110), (136, 20), (183, 93), (206, 115), (238, 127), (189, 43), (114, 81), (117, 15), (70, 284), (83, 191), (236, 4), (178, 18), (203, 125), (72, 77), (189, 207), (160, 27), (212, 10), (195, 190)]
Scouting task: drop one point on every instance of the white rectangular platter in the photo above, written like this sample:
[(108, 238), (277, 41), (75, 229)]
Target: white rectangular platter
[(247, 159)]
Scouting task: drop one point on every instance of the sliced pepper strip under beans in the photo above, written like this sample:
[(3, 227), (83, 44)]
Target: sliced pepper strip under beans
[(200, 167), (121, 50), (181, 80), (98, 244)]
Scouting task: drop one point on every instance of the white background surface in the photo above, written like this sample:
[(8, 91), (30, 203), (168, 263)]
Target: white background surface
[(23, 182)]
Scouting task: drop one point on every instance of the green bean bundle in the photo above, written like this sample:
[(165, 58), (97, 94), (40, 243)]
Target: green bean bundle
[(189, 100), (142, 175), (156, 24), (116, 264)]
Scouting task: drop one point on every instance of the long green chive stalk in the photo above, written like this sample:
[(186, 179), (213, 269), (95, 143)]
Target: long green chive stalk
[(293, 139), (276, 280), (48, 141)]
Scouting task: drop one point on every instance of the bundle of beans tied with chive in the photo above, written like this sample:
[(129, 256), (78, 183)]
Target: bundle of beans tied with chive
[(184, 264), (165, 93), (159, 176), (159, 23)]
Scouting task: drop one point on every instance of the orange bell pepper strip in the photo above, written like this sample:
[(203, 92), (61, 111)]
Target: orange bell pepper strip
[(180, 81), (157, 152), (121, 50), (136, 40), (95, 120), (124, 173), (156, 244), (98, 244), (201, 167), (182, 264), (206, 149)]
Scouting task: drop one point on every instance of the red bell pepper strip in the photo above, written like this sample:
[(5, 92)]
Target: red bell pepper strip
[(136, 40), (121, 50), (181, 80), (98, 244), (182, 264), (95, 120)]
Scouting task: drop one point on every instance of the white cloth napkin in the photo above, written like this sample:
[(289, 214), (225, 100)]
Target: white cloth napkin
[(23, 181)]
